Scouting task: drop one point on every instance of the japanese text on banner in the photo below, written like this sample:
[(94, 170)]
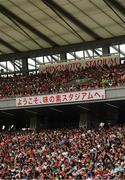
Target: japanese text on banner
[(61, 98)]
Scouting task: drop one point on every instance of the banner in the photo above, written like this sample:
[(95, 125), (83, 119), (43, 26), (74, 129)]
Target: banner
[(61, 98), (74, 65)]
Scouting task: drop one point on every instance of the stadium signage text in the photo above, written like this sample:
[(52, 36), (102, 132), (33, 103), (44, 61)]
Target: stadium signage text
[(73, 65), (61, 98)]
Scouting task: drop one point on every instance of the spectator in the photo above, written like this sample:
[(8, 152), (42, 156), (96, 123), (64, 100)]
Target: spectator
[(63, 154), (58, 82)]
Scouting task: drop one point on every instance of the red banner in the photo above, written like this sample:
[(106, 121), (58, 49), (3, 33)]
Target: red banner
[(61, 98)]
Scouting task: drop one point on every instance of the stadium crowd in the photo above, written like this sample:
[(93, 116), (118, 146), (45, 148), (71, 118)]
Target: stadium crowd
[(63, 154), (57, 82)]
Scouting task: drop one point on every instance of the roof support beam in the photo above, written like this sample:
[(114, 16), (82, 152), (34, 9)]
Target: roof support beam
[(49, 59), (31, 65), (6, 44), (63, 56), (117, 5), (10, 15), (55, 59), (87, 52), (5, 68), (65, 49), (117, 49), (15, 65), (105, 50), (53, 5)]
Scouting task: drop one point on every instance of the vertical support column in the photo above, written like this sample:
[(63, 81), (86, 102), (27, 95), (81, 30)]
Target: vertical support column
[(105, 50), (37, 122), (88, 120), (63, 57), (112, 114), (33, 122), (25, 65), (122, 117), (84, 120), (116, 115)]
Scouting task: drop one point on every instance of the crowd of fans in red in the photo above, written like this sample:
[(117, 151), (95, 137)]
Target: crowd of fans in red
[(57, 82), (63, 154)]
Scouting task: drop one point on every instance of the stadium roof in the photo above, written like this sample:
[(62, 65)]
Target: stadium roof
[(30, 27), (27, 25)]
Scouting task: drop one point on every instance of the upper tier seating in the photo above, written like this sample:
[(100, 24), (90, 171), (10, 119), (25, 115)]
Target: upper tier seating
[(64, 81)]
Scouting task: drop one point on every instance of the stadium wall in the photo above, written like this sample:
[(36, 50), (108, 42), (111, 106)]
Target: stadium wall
[(111, 94)]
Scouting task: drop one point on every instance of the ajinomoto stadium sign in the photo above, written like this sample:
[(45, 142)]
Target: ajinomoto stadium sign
[(73, 65)]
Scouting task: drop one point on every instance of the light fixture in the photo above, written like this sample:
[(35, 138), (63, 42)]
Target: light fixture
[(83, 107), (112, 105), (58, 110)]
